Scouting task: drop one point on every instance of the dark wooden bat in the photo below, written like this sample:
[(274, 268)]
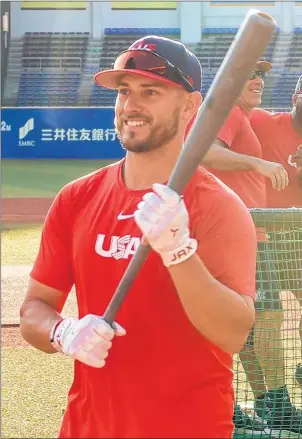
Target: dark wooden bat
[(247, 47)]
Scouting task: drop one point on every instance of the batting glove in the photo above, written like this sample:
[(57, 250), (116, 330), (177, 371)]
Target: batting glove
[(164, 221), (87, 340)]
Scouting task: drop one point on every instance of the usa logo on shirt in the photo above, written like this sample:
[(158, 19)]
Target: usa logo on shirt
[(120, 247)]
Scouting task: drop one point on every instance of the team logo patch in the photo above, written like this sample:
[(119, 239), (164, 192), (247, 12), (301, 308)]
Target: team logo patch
[(145, 46), (119, 247)]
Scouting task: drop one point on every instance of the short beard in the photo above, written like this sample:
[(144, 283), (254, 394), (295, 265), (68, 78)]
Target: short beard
[(158, 137)]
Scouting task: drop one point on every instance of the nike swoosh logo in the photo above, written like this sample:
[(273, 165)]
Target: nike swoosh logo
[(122, 217)]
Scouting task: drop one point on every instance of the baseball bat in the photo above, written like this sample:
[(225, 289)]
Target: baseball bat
[(247, 47)]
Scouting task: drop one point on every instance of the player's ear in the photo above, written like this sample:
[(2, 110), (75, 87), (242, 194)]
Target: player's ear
[(294, 99), (196, 100), (193, 103)]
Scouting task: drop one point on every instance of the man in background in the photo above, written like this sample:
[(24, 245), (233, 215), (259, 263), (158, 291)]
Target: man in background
[(280, 135), (236, 159)]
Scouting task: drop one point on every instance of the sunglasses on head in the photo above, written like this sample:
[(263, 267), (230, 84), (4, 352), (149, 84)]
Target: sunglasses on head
[(254, 75), (153, 63)]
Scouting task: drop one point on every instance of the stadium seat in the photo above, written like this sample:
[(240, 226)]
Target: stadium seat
[(69, 57)]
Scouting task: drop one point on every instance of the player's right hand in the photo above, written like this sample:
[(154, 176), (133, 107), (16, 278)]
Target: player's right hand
[(296, 158), (276, 172), (87, 340)]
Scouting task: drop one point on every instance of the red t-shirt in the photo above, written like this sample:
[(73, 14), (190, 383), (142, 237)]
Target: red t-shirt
[(239, 137), (279, 140), (163, 379)]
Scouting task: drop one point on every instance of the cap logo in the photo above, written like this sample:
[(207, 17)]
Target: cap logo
[(144, 46), (190, 80)]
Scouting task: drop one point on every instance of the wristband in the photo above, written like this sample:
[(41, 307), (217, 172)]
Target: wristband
[(52, 334), (180, 254)]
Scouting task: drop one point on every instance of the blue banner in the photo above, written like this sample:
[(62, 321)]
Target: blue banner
[(48, 133)]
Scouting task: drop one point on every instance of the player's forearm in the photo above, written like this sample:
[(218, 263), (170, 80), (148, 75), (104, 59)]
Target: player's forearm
[(223, 159), (218, 313), (37, 318)]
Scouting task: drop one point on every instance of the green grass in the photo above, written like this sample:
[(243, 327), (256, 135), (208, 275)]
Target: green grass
[(34, 389), (42, 178), (20, 245), (34, 392)]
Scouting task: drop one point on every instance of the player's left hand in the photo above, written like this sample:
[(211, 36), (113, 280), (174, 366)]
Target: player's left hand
[(163, 219)]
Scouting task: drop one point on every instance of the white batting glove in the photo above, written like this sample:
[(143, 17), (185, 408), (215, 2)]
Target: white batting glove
[(164, 221), (87, 340)]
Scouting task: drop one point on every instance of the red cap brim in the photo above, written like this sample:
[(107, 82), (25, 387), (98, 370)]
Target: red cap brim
[(110, 78)]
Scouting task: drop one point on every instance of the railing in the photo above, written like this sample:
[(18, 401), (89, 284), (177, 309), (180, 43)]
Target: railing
[(213, 62), (210, 62), (287, 61), (276, 219), (297, 59), (33, 63), (206, 61)]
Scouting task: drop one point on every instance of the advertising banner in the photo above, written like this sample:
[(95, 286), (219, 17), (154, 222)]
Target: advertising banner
[(84, 133)]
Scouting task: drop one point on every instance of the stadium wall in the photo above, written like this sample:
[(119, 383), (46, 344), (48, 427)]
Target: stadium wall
[(228, 14), (298, 15), (94, 19), (48, 21), (53, 133), (190, 17), (137, 18)]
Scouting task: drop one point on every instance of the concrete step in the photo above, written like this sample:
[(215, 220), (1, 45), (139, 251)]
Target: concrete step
[(11, 88)]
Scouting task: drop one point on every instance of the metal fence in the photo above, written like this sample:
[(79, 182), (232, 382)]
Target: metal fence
[(270, 360), (39, 64)]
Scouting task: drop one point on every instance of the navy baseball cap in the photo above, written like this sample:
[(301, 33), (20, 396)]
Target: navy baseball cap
[(298, 88), (158, 58)]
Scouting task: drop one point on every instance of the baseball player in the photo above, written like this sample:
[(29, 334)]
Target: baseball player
[(169, 368), (236, 158), (280, 135)]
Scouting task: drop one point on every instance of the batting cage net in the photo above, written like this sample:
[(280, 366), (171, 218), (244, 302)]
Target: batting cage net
[(268, 371)]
